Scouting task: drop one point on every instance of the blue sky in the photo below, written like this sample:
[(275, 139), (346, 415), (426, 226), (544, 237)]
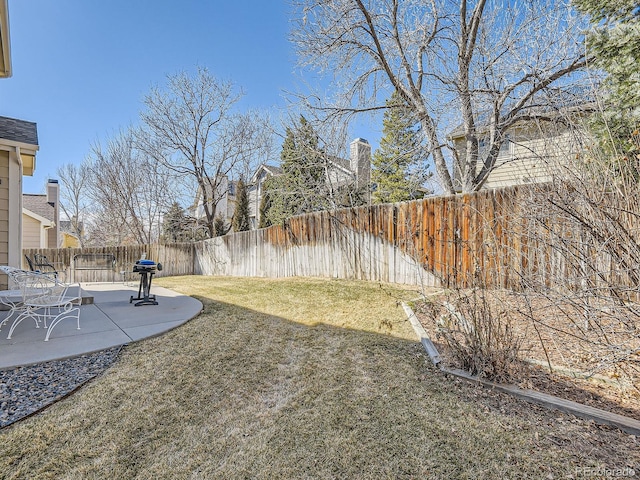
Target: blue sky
[(82, 67)]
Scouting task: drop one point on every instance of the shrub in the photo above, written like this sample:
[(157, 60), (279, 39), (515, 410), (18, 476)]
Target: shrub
[(479, 335)]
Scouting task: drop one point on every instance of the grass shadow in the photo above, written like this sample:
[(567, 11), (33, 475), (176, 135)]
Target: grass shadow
[(241, 392)]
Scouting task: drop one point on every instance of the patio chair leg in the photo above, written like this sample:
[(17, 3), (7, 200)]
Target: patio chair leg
[(74, 312), (18, 320), (6, 320)]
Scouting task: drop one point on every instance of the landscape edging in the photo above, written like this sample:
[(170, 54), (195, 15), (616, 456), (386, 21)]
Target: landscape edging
[(629, 425)]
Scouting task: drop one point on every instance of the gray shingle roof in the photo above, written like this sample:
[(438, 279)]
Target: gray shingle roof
[(37, 203), (66, 227), (341, 162), (18, 130), (274, 170)]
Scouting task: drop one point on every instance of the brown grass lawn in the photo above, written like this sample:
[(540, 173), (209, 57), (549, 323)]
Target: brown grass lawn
[(298, 378)]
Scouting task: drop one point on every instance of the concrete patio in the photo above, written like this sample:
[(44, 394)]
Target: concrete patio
[(110, 321)]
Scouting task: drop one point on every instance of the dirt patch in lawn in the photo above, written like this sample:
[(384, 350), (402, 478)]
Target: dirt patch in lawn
[(563, 353)]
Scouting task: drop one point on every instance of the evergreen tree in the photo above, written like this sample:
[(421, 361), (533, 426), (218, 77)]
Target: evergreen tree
[(265, 205), (241, 215), (281, 200), (220, 227), (174, 224), (302, 187), (399, 161), (614, 42), (178, 226)]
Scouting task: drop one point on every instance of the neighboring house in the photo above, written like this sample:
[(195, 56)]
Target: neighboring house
[(41, 218), (256, 190), (340, 172), (18, 147), (68, 235), (226, 200), (535, 150)]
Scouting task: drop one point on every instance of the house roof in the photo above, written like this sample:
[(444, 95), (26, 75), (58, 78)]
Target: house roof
[(337, 162), (66, 228), (65, 225), (273, 169), (556, 102), (37, 203), (18, 131), (270, 169), (342, 163)]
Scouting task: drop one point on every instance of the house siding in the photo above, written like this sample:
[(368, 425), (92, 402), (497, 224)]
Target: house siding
[(4, 214), (531, 161), (69, 241), (31, 233), (18, 146), (529, 156), (225, 206)]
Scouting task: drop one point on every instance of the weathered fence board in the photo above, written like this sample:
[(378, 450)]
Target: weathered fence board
[(485, 238), (176, 259)]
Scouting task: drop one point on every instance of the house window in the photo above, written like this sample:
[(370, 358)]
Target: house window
[(505, 147), (232, 188), (483, 149)]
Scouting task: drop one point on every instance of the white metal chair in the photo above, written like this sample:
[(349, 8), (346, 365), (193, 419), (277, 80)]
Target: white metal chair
[(45, 299), (11, 298)]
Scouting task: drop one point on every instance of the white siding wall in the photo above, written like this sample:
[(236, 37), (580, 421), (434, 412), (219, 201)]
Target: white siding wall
[(4, 207), (4, 214), (531, 161), (527, 157), (337, 177), (32, 233)]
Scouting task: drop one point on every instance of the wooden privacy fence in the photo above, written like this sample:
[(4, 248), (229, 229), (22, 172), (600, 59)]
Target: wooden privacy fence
[(176, 259), (496, 238), (506, 238), (449, 241), (318, 244)]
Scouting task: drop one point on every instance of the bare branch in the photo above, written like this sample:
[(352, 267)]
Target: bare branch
[(477, 64)]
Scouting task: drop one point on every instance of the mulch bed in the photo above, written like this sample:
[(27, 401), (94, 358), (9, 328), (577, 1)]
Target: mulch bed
[(553, 330)]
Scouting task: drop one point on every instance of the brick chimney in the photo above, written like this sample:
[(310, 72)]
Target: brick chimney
[(53, 199), (360, 160)]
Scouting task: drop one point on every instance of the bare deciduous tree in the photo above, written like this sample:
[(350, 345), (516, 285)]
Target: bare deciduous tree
[(74, 180), (192, 129), (131, 190), (481, 65)]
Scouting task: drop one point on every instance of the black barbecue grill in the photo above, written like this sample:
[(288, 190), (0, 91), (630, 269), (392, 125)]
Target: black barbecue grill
[(146, 269)]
